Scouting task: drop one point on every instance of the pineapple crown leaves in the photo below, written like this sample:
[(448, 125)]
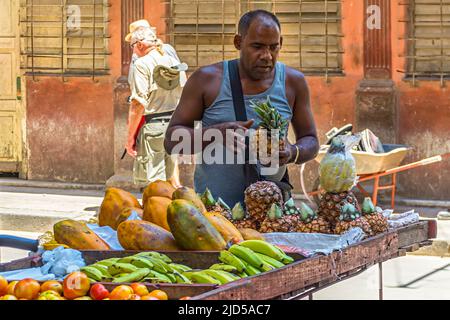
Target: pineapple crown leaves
[(275, 212), (270, 117), (290, 208), (238, 212), (368, 207), (349, 213), (306, 213), (207, 198)]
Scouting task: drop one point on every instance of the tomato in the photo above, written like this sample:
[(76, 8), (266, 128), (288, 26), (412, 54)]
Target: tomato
[(3, 286), (139, 289), (121, 292), (161, 295), (52, 285), (27, 289), (185, 298), (11, 287), (8, 297), (98, 292), (76, 285)]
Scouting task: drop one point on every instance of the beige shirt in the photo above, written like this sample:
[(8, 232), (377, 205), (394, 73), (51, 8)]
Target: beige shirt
[(145, 91)]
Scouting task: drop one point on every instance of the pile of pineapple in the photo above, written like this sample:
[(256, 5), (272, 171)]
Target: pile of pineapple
[(338, 210)]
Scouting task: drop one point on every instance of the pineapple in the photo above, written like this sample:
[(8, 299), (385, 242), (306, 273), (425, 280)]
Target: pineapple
[(290, 208), (350, 218), (311, 223), (378, 223), (241, 220), (277, 222), (259, 197), (270, 119), (337, 177), (218, 206), (331, 204)]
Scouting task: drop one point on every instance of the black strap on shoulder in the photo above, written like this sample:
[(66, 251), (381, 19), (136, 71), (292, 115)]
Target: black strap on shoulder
[(251, 170)]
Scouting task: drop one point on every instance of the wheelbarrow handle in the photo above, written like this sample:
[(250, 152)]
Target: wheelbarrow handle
[(19, 243)]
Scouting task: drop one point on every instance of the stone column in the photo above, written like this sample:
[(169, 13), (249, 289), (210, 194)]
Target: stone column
[(376, 103)]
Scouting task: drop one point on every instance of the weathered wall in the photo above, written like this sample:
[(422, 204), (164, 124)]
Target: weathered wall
[(70, 124)]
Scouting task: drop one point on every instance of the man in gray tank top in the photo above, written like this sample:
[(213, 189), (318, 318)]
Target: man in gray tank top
[(207, 99)]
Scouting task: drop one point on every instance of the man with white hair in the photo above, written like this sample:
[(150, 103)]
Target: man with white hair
[(156, 81)]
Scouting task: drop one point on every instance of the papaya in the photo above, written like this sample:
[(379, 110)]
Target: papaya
[(144, 235), (189, 194), (225, 227), (191, 229), (113, 203), (126, 212), (250, 234), (155, 211), (77, 235), (158, 188)]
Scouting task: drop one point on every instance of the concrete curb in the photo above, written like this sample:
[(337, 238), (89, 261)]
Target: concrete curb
[(11, 182)]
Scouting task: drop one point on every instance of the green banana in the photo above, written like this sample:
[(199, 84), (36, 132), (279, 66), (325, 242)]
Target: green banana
[(251, 270), (142, 262), (179, 267), (229, 258), (264, 247), (159, 265), (198, 277), (172, 277), (181, 278), (118, 267), (108, 262), (160, 276), (246, 254), (270, 261), (243, 275), (155, 254), (103, 269), (154, 280), (92, 273), (224, 267), (223, 276), (92, 280), (128, 259), (134, 276), (121, 275)]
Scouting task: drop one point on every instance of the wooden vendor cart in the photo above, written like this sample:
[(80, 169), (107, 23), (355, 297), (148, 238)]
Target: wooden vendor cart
[(291, 282)]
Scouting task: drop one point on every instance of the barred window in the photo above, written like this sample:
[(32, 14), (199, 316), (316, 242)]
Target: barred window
[(64, 37), (202, 31), (429, 39)]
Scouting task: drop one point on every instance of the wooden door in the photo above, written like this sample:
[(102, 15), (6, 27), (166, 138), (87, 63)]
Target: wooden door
[(11, 113)]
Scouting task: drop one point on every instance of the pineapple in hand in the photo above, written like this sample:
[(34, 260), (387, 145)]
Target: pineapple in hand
[(270, 120)]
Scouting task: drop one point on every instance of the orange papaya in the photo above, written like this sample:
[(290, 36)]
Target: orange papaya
[(158, 188), (144, 235), (113, 203), (225, 227), (77, 235), (155, 211), (191, 229)]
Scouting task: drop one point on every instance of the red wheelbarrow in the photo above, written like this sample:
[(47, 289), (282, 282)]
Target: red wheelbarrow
[(373, 166)]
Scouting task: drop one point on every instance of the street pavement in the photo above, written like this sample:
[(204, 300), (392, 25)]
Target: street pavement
[(28, 212)]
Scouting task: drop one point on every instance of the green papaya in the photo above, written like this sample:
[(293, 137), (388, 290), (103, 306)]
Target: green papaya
[(191, 229)]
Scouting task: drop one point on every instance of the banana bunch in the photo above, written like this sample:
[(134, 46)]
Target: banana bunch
[(151, 267), (248, 258), (251, 257)]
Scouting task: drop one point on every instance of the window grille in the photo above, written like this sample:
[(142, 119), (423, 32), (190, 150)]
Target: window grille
[(428, 40), (202, 31), (64, 37)]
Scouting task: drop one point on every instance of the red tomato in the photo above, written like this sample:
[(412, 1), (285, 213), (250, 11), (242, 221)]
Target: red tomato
[(98, 292)]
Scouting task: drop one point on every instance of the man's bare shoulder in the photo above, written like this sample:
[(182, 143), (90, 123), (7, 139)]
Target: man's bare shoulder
[(208, 73), (295, 76)]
